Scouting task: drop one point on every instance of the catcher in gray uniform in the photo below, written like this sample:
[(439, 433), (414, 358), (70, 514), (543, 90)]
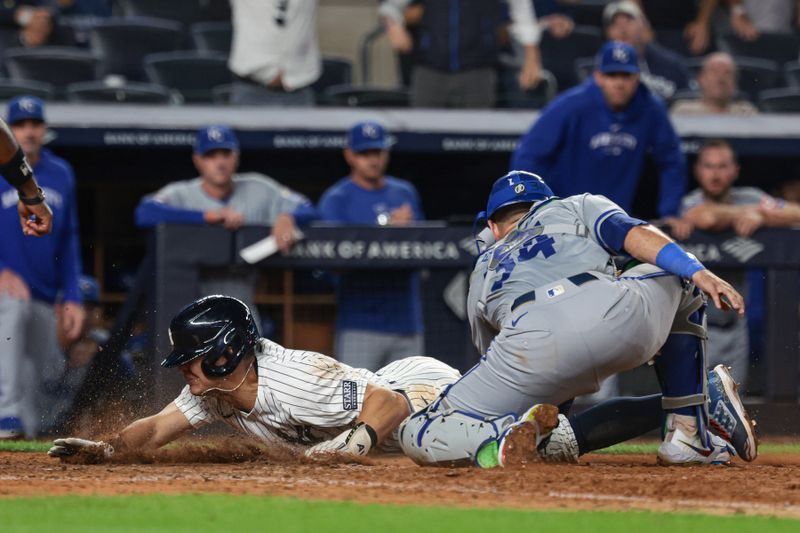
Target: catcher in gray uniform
[(553, 320)]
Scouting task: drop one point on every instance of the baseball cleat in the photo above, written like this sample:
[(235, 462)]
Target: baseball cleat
[(561, 446), (727, 415), (684, 448), (518, 444)]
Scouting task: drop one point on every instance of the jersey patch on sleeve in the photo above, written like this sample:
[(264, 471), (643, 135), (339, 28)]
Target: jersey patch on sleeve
[(349, 395)]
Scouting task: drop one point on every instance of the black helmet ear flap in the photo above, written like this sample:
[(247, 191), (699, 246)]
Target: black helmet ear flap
[(230, 347)]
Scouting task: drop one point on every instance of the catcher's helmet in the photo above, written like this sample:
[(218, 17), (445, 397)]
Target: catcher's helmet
[(213, 327), (515, 187)]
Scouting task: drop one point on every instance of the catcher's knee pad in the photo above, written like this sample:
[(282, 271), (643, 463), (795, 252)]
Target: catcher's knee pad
[(681, 367), (439, 435)]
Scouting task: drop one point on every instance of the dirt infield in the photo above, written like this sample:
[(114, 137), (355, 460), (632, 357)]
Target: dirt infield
[(770, 486)]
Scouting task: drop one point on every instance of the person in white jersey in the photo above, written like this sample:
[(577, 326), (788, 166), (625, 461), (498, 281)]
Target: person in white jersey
[(272, 393)]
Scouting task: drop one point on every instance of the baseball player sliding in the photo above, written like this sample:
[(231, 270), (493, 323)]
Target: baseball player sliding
[(271, 393), (553, 320)]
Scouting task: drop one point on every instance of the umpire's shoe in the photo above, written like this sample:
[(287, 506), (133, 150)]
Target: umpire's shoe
[(727, 416)]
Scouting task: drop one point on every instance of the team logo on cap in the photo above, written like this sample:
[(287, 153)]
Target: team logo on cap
[(369, 130), (27, 104), (620, 54), (215, 134), (520, 188)]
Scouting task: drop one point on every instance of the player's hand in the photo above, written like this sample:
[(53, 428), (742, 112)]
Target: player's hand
[(283, 230), (87, 450), (680, 228), (13, 285), (748, 221), (720, 291), (743, 27), (71, 318), (231, 218), (402, 216), (558, 25), (40, 224), (354, 441), (530, 74), (399, 37), (698, 36)]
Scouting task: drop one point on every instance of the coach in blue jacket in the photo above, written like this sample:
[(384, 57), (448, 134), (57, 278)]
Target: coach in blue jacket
[(594, 138), (40, 298)]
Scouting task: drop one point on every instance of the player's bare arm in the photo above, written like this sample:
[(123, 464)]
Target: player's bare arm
[(784, 215), (382, 412), (141, 435), (713, 216), (649, 244)]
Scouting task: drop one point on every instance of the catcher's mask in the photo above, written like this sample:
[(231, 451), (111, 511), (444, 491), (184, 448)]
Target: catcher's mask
[(220, 329)]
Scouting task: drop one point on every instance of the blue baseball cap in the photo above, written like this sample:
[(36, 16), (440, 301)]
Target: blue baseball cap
[(515, 187), (616, 56), (368, 135), (215, 137), (25, 108)]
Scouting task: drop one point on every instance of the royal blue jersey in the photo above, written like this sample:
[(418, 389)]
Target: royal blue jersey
[(51, 263), (580, 145), (374, 300)]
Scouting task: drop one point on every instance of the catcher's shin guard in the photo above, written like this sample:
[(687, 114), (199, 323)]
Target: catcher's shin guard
[(681, 367), (440, 435)]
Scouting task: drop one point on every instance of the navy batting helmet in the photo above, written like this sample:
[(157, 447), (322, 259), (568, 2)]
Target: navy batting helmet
[(216, 328), (515, 187)]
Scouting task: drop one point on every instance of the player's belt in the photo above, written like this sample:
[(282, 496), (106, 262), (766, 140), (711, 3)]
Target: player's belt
[(577, 280)]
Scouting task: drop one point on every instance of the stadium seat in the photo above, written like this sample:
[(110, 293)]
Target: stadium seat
[(510, 96), (11, 88), (559, 55), (780, 47), (791, 73), (131, 92), (755, 74), (212, 37), (222, 94), (335, 71), (365, 96), (50, 64), (194, 75), (786, 100), (122, 44), (588, 12), (685, 94), (584, 66), (674, 41), (185, 11)]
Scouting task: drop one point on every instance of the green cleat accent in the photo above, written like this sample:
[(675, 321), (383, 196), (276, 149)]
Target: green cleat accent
[(487, 456)]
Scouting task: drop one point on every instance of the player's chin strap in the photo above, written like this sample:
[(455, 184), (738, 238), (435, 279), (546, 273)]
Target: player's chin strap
[(219, 389)]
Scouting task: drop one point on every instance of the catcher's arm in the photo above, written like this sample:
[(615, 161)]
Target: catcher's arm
[(143, 434), (382, 412)]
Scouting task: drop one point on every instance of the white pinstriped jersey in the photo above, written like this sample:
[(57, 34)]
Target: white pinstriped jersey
[(306, 397)]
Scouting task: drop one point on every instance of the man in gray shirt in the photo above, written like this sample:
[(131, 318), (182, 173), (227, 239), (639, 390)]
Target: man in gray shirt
[(220, 196), (716, 206)]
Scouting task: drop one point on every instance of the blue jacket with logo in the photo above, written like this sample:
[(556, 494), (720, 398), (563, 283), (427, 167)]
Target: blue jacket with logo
[(580, 145), (51, 263)]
